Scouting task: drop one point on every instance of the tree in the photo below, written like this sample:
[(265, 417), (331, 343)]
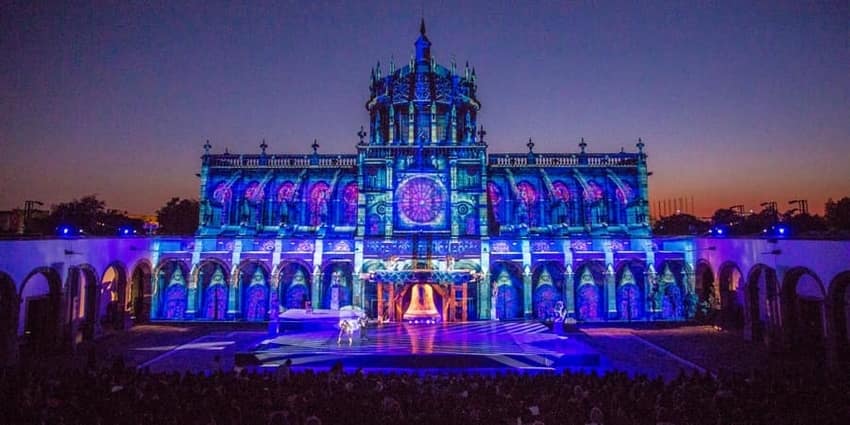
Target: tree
[(680, 224), (87, 215), (838, 213), (178, 217)]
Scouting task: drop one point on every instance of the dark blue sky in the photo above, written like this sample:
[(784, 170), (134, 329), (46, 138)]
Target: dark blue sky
[(738, 102)]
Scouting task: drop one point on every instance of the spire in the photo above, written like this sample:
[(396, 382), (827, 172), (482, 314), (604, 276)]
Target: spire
[(423, 45)]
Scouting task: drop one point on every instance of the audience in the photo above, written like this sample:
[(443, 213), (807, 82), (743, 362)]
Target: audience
[(120, 395)]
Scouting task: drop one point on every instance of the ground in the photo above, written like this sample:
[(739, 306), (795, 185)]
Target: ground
[(194, 347)]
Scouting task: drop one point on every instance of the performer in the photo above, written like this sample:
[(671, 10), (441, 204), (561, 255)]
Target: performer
[(363, 321), (345, 327)]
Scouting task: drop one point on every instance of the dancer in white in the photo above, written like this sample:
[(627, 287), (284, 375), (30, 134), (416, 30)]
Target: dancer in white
[(347, 327)]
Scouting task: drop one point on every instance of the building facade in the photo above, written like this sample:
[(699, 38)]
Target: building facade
[(423, 223)]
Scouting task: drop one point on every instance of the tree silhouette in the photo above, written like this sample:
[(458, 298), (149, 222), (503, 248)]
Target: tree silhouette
[(178, 217)]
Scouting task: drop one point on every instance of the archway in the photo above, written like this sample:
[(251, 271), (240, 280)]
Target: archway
[(590, 292), (294, 285), (336, 285), (548, 279), (731, 307), (254, 278), (762, 314), (804, 311), (139, 296), (507, 284), (38, 318), (170, 292), (630, 297), (85, 291), (9, 306), (706, 292), (839, 317), (213, 278), (670, 295), (113, 296)]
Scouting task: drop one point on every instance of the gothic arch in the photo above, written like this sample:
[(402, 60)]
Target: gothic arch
[(839, 314), (213, 280), (84, 285), (9, 309), (171, 290), (631, 281), (548, 284), (254, 285), (590, 292), (508, 290), (337, 280), (804, 315), (730, 280), (762, 311), (140, 291), (706, 290), (112, 306), (670, 294), (39, 316), (294, 284)]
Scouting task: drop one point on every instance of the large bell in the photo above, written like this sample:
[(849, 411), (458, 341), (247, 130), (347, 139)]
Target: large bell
[(421, 307)]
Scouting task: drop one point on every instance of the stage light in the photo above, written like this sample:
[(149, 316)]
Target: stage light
[(65, 231)]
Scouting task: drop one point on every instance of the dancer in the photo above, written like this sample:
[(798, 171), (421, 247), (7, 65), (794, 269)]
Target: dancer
[(363, 321), (347, 328)]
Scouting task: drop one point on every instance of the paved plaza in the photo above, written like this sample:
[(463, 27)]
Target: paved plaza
[(481, 347)]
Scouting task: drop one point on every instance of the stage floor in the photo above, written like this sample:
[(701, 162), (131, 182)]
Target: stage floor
[(481, 346)]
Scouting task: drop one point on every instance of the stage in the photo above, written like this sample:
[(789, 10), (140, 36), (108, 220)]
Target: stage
[(310, 341)]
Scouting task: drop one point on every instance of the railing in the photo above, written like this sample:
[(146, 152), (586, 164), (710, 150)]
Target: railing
[(393, 151), (564, 160), (280, 161)]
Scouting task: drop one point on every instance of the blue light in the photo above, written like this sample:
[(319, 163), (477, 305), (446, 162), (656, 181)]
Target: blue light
[(781, 230), (65, 231)]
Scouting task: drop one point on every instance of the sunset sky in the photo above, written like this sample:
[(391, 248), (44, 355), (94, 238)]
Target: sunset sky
[(738, 102)]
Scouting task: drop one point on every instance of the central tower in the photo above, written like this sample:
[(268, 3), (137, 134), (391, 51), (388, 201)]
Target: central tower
[(423, 168)]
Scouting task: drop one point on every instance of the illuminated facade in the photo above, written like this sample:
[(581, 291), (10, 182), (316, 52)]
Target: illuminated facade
[(423, 214)]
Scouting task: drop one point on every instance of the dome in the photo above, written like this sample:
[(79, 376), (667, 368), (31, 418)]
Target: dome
[(422, 102)]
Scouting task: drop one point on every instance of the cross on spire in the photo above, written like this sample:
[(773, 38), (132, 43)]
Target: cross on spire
[(582, 145), (530, 145), (263, 146), (315, 146), (481, 134), (361, 134)]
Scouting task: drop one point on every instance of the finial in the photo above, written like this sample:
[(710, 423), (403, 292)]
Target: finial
[(263, 146), (640, 145), (530, 145), (361, 134), (481, 134), (422, 26), (315, 146), (392, 64), (582, 145), (207, 147)]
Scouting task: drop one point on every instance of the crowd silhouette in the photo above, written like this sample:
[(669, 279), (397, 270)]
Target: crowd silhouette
[(123, 395)]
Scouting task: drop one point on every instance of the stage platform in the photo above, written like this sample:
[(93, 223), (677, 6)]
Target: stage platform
[(472, 346)]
